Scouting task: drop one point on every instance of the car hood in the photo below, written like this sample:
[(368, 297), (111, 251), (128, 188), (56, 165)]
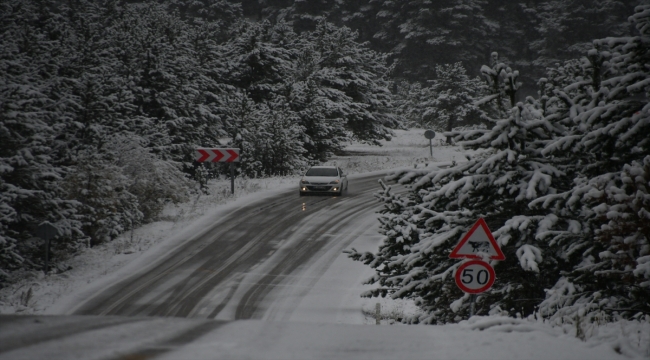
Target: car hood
[(320, 179)]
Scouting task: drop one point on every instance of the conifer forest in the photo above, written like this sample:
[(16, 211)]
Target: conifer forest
[(103, 101)]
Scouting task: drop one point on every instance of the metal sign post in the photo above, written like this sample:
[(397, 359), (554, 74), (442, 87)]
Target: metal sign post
[(472, 305), (229, 155), (232, 178), (47, 232), (430, 134)]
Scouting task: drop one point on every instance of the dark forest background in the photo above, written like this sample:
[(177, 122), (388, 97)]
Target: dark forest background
[(103, 102), (528, 35)]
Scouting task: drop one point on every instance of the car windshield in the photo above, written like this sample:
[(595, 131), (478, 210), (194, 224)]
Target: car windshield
[(322, 172)]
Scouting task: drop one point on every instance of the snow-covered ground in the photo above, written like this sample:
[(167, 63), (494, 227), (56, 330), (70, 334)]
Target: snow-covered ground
[(38, 294), (502, 337)]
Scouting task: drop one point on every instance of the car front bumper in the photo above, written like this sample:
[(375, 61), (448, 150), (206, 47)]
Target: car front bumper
[(323, 189)]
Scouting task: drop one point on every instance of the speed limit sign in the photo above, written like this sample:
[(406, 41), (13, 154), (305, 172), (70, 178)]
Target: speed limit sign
[(475, 276)]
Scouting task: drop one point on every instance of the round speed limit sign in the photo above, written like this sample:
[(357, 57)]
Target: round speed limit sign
[(475, 276)]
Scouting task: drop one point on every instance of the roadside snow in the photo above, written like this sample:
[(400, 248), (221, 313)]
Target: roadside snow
[(99, 266), (254, 339)]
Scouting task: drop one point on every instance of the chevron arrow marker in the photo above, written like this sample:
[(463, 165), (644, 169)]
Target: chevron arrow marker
[(234, 155), (201, 155), (216, 155)]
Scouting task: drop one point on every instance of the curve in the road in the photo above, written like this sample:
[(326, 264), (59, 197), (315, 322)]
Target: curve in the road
[(217, 260)]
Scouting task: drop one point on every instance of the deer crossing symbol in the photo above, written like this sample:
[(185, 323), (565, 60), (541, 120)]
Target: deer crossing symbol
[(477, 246)]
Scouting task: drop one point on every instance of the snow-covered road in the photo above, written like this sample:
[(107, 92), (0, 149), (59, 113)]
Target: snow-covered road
[(264, 277), (262, 261)]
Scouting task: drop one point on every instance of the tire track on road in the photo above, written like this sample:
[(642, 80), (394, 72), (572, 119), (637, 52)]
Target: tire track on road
[(249, 306), (214, 259)]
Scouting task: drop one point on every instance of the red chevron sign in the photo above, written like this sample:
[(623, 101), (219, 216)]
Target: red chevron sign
[(217, 155)]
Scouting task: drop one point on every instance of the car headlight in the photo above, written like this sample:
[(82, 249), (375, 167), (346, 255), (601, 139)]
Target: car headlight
[(334, 182), (303, 181)]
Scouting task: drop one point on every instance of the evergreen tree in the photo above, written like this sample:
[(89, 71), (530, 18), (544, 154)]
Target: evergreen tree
[(259, 59), (420, 34), (274, 141), (452, 97), (423, 33), (89, 87), (502, 87), (324, 126), (607, 113), (268, 135), (563, 184), (357, 82), (422, 228), (408, 99), (68, 105), (564, 29), (30, 178), (104, 114), (222, 13), (337, 86)]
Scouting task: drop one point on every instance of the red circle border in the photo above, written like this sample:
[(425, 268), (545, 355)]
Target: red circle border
[(462, 266)]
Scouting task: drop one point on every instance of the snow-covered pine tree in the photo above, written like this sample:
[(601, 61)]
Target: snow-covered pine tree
[(268, 134), (259, 59), (206, 41), (357, 79), (100, 115), (564, 29), (274, 140), (324, 126), (408, 99), (608, 152), (30, 178), (109, 208), (564, 182), (502, 86), (337, 87), (452, 96), (221, 13), (420, 33), (305, 15), (258, 64), (156, 52), (422, 228), (317, 103)]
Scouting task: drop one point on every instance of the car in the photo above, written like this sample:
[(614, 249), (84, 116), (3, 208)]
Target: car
[(324, 180)]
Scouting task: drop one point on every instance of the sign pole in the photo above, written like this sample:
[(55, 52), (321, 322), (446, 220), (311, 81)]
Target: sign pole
[(472, 305), (47, 232), (430, 134), (229, 155), (232, 178)]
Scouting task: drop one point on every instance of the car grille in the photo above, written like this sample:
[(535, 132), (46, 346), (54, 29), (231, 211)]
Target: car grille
[(317, 187)]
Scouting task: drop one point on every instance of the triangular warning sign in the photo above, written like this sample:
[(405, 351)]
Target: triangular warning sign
[(478, 239)]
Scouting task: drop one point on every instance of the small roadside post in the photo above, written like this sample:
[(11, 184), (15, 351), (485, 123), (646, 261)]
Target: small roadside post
[(229, 155), (378, 314), (476, 275), (430, 134), (47, 232)]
